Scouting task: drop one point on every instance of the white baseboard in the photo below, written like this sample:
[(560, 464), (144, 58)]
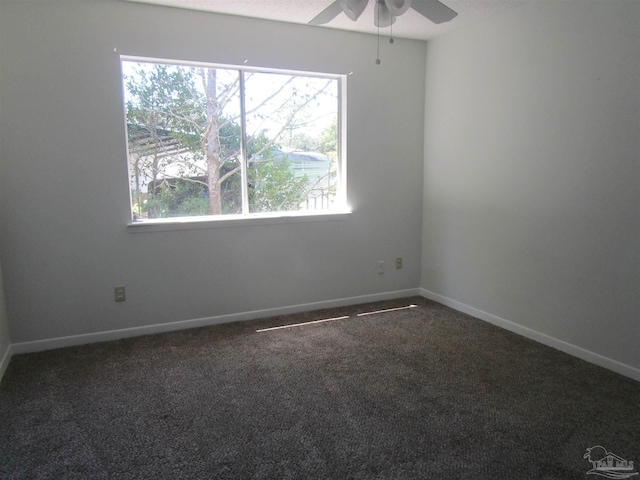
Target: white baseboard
[(51, 343), (579, 352), (4, 362)]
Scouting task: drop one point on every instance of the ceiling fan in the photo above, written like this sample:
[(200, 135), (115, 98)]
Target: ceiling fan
[(386, 11)]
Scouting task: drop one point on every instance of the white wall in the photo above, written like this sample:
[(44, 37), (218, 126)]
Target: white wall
[(5, 340), (532, 174), (64, 194)]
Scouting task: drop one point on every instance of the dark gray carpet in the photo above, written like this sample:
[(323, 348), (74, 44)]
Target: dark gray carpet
[(424, 393)]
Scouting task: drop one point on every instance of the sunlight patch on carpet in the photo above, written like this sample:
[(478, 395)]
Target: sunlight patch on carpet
[(387, 310), (302, 324), (324, 320)]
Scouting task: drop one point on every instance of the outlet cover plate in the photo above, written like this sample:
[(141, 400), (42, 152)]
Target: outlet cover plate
[(119, 293)]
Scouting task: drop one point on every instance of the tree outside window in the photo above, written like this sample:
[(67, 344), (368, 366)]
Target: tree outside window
[(207, 140)]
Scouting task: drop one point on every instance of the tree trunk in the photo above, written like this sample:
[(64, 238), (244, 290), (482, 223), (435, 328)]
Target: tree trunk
[(212, 146)]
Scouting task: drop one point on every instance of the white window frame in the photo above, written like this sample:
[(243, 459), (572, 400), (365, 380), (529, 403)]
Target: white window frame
[(339, 212)]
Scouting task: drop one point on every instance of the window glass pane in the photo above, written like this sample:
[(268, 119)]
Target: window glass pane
[(292, 141), (186, 142), (183, 126)]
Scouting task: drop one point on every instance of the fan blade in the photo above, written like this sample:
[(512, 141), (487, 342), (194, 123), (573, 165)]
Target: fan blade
[(327, 14), (434, 10), (353, 8)]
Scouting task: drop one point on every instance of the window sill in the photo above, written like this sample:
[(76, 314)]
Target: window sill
[(199, 223)]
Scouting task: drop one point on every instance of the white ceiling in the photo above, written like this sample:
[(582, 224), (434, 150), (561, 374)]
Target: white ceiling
[(409, 25)]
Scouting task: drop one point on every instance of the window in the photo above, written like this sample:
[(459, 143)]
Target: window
[(224, 142)]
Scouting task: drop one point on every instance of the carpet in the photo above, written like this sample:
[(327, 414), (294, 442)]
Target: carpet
[(424, 392)]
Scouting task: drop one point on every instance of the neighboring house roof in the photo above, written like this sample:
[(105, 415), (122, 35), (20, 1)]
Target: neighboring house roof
[(300, 156)]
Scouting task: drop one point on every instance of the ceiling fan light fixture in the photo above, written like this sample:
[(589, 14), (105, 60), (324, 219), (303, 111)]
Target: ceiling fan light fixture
[(382, 15), (398, 7), (353, 8)]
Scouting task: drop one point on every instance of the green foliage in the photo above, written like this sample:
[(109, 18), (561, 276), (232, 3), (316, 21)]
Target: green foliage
[(164, 101), (274, 188), (303, 142), (178, 199), (260, 152), (328, 141)]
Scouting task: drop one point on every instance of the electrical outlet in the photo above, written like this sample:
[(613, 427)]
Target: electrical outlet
[(398, 263), (381, 266), (119, 293)]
